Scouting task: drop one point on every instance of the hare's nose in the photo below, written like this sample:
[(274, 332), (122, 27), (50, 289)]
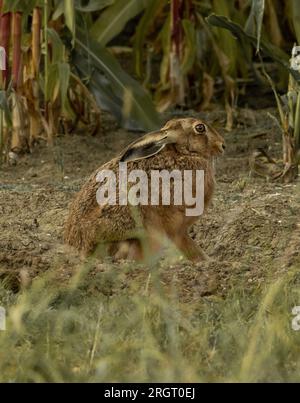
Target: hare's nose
[(224, 147)]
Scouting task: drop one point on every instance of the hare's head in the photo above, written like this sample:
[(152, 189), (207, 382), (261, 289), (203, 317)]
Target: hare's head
[(189, 136)]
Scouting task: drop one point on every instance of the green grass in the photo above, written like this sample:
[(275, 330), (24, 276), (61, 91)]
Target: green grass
[(94, 329)]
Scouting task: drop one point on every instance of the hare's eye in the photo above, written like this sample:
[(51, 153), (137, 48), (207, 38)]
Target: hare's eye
[(200, 128)]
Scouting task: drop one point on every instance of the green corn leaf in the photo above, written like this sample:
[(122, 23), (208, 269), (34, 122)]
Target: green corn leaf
[(92, 5), (58, 49), (53, 86), (165, 35), (58, 82), (190, 49), (69, 12), (113, 20), (225, 41), (270, 50), (5, 107), (64, 73), (137, 110), (153, 7), (25, 7), (82, 6), (279, 102), (58, 12)]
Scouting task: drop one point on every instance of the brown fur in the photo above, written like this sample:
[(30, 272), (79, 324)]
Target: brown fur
[(126, 230)]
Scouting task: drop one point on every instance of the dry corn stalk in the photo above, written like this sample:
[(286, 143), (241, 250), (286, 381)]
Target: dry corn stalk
[(36, 127), (19, 137), (176, 78), (17, 55), (5, 28)]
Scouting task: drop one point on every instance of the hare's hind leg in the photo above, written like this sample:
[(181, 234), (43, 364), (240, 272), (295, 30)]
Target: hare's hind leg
[(137, 249), (130, 249)]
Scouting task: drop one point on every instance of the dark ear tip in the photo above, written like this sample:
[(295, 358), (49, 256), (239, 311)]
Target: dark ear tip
[(138, 153), (148, 146), (125, 156)]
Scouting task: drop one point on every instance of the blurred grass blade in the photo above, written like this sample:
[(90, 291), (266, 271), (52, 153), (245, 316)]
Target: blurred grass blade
[(251, 359), (114, 18), (136, 103), (279, 102)]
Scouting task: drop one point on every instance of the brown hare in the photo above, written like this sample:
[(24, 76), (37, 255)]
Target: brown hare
[(128, 233)]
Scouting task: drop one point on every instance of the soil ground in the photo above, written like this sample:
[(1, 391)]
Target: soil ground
[(251, 232)]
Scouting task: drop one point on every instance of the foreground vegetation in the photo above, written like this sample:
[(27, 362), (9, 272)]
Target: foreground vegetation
[(90, 330)]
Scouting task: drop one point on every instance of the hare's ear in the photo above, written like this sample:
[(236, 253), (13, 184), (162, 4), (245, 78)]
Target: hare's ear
[(147, 146)]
